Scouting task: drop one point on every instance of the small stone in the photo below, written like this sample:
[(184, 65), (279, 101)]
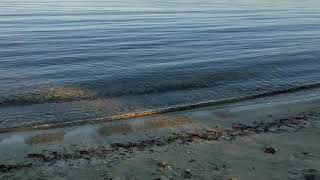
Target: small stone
[(306, 153), (163, 164), (187, 173), (270, 150), (209, 130)]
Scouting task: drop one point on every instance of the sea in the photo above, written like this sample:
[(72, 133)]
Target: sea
[(69, 61)]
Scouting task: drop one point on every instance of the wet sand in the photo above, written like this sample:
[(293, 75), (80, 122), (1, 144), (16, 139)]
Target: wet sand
[(268, 138)]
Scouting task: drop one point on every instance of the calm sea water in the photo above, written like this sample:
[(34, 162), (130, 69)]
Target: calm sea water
[(67, 60)]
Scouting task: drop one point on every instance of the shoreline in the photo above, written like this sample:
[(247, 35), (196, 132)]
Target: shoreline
[(274, 137), (165, 110)]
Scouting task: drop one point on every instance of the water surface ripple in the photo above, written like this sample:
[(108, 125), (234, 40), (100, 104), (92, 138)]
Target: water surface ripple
[(64, 61)]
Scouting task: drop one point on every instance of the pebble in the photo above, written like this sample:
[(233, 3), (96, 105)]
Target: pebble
[(163, 164), (187, 173), (209, 130), (270, 150)]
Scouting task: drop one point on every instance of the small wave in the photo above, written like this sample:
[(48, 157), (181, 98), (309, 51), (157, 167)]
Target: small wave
[(102, 90), (160, 110)]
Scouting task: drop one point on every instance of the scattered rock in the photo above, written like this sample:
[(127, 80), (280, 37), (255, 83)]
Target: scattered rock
[(187, 173), (270, 150)]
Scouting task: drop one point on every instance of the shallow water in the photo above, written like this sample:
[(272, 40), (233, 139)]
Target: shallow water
[(64, 61)]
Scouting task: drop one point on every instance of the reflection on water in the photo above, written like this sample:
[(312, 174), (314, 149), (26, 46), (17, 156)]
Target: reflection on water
[(160, 122), (166, 122), (45, 138), (115, 129)]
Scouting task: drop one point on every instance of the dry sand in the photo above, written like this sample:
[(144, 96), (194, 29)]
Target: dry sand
[(270, 138)]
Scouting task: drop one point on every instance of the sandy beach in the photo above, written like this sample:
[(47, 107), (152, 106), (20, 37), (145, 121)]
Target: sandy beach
[(266, 138)]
